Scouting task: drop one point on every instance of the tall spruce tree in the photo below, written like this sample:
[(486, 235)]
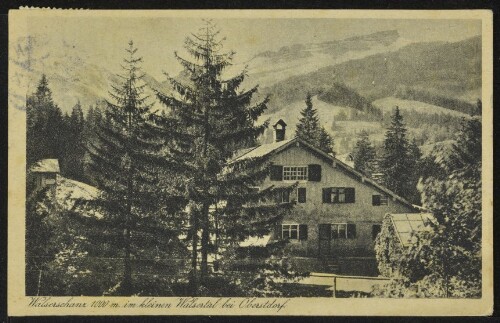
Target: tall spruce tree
[(72, 162), (44, 123), (128, 166), (364, 155), (214, 118), (400, 159), (310, 130)]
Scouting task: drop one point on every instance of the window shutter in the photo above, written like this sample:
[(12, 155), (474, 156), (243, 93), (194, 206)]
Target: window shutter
[(349, 195), (277, 231), (327, 192), (351, 231), (376, 200), (276, 173), (376, 228), (314, 173), (301, 192), (302, 231)]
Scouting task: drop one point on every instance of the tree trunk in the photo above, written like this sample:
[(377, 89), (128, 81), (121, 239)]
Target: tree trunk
[(127, 272), (193, 280), (205, 239)]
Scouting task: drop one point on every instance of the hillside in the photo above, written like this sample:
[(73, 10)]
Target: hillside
[(269, 67), (447, 69), (387, 104)]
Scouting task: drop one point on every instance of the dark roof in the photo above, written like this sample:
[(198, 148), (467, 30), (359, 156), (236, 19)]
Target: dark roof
[(280, 122), (276, 147), (45, 166)]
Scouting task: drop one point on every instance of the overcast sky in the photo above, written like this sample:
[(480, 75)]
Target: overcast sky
[(104, 38)]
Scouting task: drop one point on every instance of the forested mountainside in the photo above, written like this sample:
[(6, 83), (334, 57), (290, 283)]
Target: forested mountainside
[(434, 69)]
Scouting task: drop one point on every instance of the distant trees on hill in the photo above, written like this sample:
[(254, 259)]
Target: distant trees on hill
[(408, 93), (340, 94), (378, 76)]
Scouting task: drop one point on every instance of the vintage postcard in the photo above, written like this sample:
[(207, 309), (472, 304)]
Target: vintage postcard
[(239, 162)]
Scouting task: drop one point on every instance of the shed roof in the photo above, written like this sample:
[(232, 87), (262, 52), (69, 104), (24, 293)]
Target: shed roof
[(46, 166), (406, 225)]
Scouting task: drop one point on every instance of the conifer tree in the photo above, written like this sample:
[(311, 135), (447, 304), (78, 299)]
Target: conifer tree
[(364, 155), (44, 122), (445, 261), (400, 159), (214, 118), (72, 163), (310, 130), (127, 166)]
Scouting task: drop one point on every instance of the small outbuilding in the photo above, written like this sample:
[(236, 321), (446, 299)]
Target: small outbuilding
[(44, 173)]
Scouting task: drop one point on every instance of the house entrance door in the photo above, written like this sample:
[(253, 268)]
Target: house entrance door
[(324, 239)]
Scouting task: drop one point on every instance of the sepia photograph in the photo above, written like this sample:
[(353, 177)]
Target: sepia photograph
[(249, 161)]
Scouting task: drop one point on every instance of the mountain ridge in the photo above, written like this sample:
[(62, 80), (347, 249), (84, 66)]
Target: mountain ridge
[(432, 66)]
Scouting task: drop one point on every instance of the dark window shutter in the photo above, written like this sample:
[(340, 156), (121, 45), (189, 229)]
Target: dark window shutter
[(276, 173), (301, 192), (314, 173), (277, 231), (349, 195), (376, 228), (302, 231), (376, 200), (351, 231), (327, 192)]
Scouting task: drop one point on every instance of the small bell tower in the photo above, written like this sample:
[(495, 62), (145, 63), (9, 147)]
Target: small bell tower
[(279, 130)]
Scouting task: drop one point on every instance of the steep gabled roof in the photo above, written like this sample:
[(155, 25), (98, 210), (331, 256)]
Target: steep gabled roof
[(276, 147), (264, 150), (46, 166), (406, 225)]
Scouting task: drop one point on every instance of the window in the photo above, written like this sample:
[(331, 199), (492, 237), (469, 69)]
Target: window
[(301, 195), (343, 231), (294, 173), (376, 228), (283, 196), (338, 195), (294, 231), (290, 231), (379, 199)]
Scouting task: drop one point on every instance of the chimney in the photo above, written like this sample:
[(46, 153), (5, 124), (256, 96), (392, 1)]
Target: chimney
[(279, 130)]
